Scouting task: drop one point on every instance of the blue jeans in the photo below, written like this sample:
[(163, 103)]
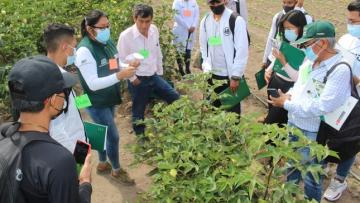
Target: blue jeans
[(343, 168), (141, 96), (312, 189), (105, 116)]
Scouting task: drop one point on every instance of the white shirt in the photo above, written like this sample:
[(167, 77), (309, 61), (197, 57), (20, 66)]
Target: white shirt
[(272, 32), (304, 112), (88, 68), (186, 16), (243, 8), (132, 41), (68, 127), (235, 66), (352, 45), (218, 56)]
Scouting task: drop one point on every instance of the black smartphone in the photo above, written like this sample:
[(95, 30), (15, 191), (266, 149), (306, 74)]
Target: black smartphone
[(273, 92), (81, 151)]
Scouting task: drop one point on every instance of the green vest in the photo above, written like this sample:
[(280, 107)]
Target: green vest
[(109, 96)]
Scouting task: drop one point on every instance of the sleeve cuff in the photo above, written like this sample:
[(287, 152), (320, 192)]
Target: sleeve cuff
[(287, 105), (114, 78)]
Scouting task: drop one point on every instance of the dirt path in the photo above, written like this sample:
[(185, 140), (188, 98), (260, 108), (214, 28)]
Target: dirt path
[(261, 12)]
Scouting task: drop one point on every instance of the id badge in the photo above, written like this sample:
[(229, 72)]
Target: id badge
[(215, 41), (145, 53)]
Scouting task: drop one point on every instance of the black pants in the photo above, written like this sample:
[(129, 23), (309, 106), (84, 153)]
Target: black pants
[(276, 114), (184, 57), (218, 90)]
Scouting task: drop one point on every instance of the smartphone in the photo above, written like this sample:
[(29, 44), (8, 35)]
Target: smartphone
[(275, 44), (81, 151), (273, 92)]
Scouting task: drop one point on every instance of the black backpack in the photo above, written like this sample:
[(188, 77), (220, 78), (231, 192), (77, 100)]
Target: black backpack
[(232, 21), (346, 141), (11, 146)]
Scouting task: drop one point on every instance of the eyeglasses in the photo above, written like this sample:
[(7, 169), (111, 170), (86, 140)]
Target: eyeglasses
[(308, 45), (101, 28), (65, 105)]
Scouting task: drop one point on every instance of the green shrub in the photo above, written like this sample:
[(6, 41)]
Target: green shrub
[(22, 23), (202, 154)]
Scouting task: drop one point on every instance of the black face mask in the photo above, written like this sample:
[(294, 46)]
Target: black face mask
[(288, 8), (218, 10)]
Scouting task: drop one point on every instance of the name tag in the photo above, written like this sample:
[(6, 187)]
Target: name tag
[(113, 64), (145, 53), (187, 13), (215, 41)]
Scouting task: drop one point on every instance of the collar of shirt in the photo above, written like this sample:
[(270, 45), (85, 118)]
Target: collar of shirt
[(328, 63), (137, 34)]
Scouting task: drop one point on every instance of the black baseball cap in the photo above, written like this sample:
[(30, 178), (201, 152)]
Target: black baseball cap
[(36, 78)]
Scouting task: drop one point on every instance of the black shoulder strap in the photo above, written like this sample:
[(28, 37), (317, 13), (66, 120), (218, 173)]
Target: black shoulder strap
[(232, 21), (237, 6), (333, 68), (207, 43), (353, 87)]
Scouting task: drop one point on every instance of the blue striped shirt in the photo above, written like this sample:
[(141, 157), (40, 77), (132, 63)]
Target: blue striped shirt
[(305, 112)]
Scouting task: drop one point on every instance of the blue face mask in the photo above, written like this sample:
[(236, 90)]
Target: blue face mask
[(354, 30), (103, 35), (71, 59), (290, 35), (310, 54)]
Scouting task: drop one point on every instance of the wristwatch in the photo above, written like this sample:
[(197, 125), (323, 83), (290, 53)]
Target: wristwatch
[(235, 78)]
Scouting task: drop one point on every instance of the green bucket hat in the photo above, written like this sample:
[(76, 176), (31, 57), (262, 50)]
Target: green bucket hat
[(316, 30)]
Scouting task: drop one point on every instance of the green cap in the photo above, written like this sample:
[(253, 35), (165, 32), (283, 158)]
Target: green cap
[(316, 30)]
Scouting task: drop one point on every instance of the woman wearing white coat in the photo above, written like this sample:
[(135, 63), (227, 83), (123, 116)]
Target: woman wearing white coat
[(186, 20)]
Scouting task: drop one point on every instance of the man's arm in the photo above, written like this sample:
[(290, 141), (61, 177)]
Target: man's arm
[(241, 47)]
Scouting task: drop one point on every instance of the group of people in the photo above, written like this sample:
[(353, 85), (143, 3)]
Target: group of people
[(41, 89)]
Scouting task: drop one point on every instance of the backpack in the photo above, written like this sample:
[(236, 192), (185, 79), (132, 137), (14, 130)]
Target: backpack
[(346, 141), (11, 146), (232, 21)]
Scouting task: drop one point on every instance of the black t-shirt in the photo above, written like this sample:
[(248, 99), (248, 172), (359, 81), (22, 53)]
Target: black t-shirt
[(49, 174)]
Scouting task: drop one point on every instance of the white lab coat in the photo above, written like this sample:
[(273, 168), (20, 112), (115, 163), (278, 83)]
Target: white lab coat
[(235, 65), (183, 23)]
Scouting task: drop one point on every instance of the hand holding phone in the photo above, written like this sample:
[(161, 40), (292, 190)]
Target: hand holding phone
[(275, 44), (273, 92), (81, 151)]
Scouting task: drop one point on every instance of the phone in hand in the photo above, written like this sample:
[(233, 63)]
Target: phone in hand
[(273, 92), (81, 151), (275, 44)]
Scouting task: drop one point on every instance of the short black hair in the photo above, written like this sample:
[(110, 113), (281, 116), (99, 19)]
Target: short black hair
[(295, 17), (91, 19), (54, 32), (354, 6), (143, 11)]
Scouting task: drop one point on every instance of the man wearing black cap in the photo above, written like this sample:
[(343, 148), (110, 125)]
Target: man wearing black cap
[(49, 170)]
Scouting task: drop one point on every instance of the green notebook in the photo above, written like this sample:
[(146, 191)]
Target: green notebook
[(228, 99), (260, 78), (293, 56), (96, 134)]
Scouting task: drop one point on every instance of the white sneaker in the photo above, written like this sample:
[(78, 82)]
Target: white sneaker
[(335, 189)]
